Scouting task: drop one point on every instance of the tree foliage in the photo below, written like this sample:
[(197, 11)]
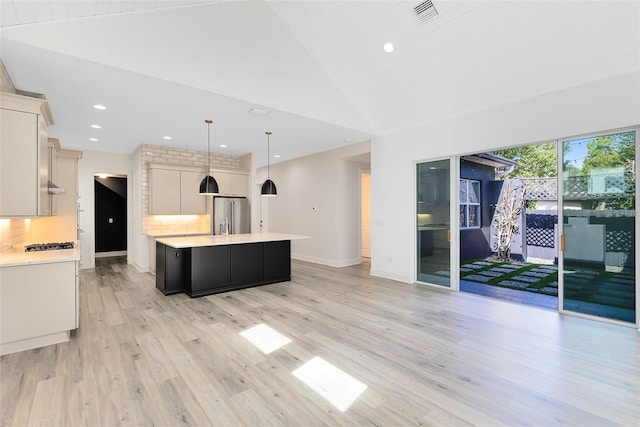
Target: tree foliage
[(612, 151), (534, 161), (609, 151)]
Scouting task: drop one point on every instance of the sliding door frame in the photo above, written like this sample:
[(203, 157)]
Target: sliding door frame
[(559, 145), (454, 195), (454, 228)]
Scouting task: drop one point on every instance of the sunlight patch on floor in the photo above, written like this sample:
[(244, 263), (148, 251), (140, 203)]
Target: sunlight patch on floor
[(335, 385), (265, 338)]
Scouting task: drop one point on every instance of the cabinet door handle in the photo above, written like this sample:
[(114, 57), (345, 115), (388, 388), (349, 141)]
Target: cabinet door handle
[(562, 242), (449, 236)]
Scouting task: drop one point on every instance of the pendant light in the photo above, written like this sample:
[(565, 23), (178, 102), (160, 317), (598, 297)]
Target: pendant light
[(268, 187), (208, 185)]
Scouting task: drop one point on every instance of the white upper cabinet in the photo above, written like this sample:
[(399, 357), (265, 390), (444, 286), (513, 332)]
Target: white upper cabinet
[(191, 201), (232, 183), (24, 156), (174, 191), (164, 192)]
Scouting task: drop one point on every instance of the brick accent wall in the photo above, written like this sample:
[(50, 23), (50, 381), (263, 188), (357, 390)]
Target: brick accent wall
[(176, 224)]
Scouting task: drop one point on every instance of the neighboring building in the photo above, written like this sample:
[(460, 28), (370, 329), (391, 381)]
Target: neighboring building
[(479, 193)]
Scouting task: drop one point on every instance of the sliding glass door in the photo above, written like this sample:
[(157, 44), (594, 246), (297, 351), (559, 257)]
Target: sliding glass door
[(433, 207), (599, 226)]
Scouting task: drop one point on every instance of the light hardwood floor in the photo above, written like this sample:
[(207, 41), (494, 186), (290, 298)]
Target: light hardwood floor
[(428, 357)]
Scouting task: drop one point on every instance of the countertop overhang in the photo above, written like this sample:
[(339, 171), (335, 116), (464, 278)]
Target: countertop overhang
[(229, 239), (16, 258)]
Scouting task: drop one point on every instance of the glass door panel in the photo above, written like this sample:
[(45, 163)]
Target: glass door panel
[(598, 222), (433, 224)]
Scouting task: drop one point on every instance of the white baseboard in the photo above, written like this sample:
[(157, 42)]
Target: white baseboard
[(328, 262), (141, 268), (110, 254), (392, 276), (35, 342)]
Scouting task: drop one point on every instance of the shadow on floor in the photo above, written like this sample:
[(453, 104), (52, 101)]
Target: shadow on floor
[(548, 302)]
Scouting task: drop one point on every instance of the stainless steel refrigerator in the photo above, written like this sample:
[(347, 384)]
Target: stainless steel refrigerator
[(231, 214)]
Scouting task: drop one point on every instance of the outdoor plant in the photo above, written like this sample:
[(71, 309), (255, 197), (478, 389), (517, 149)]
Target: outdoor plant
[(505, 220)]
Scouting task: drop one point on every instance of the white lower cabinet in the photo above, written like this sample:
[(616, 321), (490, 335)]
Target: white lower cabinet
[(38, 305)]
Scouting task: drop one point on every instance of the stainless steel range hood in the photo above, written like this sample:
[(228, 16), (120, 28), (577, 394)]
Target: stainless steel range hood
[(54, 189)]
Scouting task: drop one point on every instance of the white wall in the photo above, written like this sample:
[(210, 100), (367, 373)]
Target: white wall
[(138, 251), (598, 106), (248, 162), (93, 162), (330, 182)]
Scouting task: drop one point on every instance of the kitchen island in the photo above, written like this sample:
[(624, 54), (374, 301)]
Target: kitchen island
[(204, 265)]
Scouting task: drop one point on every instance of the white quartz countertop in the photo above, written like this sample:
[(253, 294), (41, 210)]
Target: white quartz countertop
[(16, 258), (231, 239), (177, 234)]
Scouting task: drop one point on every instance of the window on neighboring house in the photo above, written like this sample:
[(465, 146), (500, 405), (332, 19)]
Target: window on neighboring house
[(469, 203)]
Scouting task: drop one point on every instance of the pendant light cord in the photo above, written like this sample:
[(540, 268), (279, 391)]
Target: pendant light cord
[(208, 122), (268, 154)]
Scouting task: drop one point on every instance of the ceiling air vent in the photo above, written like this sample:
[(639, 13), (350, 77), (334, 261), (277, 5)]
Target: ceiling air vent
[(425, 11)]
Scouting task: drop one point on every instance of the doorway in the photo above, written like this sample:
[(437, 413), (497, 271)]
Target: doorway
[(508, 224), (110, 215), (578, 247), (365, 214)]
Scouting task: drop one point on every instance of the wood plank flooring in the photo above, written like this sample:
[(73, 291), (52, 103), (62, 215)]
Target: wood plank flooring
[(428, 357)]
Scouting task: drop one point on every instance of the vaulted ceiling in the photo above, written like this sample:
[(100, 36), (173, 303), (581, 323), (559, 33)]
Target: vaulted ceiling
[(317, 67)]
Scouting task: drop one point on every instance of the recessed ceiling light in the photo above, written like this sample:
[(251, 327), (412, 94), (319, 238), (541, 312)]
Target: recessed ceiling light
[(388, 47), (347, 140), (167, 137), (96, 126), (276, 155), (99, 107), (258, 112), (223, 146), (93, 139)]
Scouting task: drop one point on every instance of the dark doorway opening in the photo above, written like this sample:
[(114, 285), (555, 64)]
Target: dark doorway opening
[(110, 215)]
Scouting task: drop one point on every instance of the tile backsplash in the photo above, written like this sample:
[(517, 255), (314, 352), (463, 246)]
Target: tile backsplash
[(16, 233), (164, 225), (12, 233)]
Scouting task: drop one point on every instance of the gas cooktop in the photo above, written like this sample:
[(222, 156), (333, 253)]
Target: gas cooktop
[(48, 246)]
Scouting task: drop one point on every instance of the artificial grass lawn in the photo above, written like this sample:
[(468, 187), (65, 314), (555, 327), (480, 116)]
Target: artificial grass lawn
[(537, 286)]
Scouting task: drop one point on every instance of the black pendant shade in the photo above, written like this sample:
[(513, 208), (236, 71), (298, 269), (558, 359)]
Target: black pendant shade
[(208, 185), (268, 187)]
